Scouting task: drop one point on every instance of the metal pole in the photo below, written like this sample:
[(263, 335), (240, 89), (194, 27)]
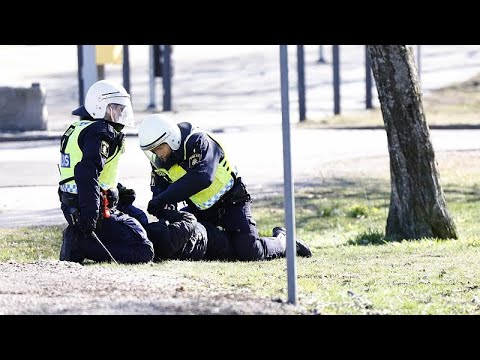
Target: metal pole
[(368, 80), (321, 59), (288, 183), (81, 91), (336, 79), (89, 66), (151, 74), (301, 82), (166, 79), (126, 69)]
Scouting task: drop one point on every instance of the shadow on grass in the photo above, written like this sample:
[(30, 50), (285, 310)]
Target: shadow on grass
[(455, 193), (355, 206), (307, 192)]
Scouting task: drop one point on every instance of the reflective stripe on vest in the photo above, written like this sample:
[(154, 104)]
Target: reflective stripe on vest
[(72, 154), (222, 182)]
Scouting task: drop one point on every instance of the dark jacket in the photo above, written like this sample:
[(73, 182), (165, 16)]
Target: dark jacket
[(177, 235)]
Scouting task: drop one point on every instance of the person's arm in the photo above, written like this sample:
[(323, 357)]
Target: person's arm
[(202, 159), (157, 183), (95, 143)]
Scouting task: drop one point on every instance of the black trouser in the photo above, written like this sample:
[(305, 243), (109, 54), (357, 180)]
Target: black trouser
[(122, 235), (236, 219)]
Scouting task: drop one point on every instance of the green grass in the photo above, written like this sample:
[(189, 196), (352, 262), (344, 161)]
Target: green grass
[(30, 244)]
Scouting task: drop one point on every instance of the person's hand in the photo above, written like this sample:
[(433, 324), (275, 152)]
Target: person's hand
[(126, 196), (156, 205), (86, 224), (166, 212), (170, 207)]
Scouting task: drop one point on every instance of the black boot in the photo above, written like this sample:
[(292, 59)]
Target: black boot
[(302, 248), (70, 250)]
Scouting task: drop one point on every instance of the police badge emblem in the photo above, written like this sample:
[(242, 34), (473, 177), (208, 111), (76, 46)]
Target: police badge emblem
[(193, 160), (104, 148)]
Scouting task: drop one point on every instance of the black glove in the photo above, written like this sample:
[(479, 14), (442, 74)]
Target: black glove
[(126, 196), (173, 215), (113, 197), (156, 205), (86, 224)]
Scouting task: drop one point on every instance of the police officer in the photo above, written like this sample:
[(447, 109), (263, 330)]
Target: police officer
[(188, 164), (89, 192)]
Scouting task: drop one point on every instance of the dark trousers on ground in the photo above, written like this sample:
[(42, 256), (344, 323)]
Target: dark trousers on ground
[(242, 231), (122, 235)]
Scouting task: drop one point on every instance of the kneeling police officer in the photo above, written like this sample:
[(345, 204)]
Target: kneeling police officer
[(189, 164), (90, 195)]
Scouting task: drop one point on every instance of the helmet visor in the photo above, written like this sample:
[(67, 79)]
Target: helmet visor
[(121, 114), (153, 158)]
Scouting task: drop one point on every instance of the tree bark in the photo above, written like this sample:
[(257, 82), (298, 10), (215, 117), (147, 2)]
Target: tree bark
[(417, 204)]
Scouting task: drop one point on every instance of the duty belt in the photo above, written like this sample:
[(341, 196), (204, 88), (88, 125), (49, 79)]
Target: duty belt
[(71, 200), (68, 199)]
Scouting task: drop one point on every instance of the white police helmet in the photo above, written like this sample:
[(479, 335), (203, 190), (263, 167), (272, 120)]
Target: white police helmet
[(105, 95), (157, 129)]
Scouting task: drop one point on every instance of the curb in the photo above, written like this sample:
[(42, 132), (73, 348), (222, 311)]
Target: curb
[(38, 136), (57, 135), (26, 136)]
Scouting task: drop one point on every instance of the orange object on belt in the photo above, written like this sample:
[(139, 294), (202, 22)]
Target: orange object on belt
[(106, 211)]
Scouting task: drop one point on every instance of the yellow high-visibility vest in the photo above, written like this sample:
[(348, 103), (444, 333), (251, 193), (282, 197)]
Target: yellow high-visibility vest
[(71, 154), (223, 181)]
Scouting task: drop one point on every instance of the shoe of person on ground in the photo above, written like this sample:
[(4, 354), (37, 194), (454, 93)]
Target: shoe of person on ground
[(70, 246), (302, 248)]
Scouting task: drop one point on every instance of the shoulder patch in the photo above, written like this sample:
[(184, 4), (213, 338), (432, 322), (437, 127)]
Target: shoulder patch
[(193, 160), (104, 148)]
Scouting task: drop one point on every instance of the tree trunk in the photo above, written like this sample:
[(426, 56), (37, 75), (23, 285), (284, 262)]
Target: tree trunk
[(417, 203)]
